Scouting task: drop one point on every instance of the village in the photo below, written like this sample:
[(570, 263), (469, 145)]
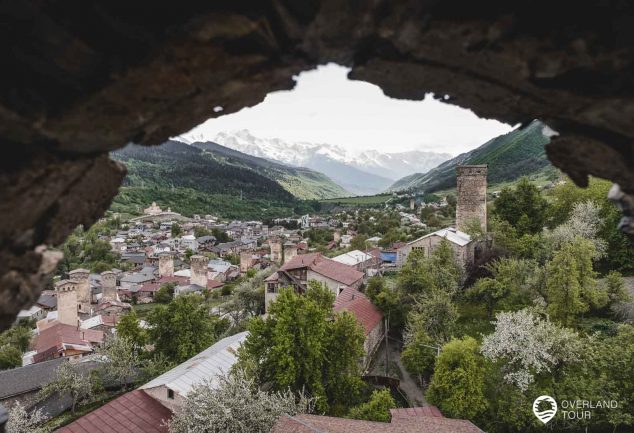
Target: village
[(161, 253)]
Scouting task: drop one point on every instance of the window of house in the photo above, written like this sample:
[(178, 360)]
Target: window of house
[(170, 394)]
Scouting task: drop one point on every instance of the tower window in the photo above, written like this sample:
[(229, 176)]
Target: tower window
[(170, 394)]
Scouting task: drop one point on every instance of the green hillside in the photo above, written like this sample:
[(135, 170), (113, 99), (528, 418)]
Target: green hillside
[(193, 181), (302, 182), (509, 156)]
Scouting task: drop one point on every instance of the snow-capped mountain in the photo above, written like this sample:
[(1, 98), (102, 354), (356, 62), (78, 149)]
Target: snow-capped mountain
[(368, 172)]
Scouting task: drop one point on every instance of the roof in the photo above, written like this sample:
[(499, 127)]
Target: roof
[(214, 360), (137, 277), (98, 320), (353, 258), (32, 377), (319, 264), (47, 301), (325, 424), (355, 302), (134, 411), (452, 235), (410, 412), (61, 334)]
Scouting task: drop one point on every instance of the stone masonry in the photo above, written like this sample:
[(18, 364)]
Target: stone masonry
[(166, 265), (84, 295), (198, 266), (108, 286), (67, 302), (472, 195)]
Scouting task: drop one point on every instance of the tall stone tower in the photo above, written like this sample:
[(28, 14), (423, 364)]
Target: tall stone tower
[(67, 302), (472, 195), (198, 269), (290, 251), (245, 261), (166, 265), (276, 250), (84, 295), (109, 286)]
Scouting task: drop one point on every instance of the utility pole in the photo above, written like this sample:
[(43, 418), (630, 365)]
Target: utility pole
[(387, 349)]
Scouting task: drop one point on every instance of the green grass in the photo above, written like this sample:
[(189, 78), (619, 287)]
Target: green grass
[(359, 200)]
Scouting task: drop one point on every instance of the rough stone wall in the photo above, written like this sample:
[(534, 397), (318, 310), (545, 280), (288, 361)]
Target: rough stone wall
[(276, 250), (198, 266), (290, 251), (67, 303), (245, 260), (166, 265), (472, 196), (109, 286), (84, 294), (82, 78)]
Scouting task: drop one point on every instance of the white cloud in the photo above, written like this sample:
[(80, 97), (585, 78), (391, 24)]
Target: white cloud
[(326, 107)]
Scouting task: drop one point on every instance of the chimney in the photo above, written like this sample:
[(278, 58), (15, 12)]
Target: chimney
[(198, 269)]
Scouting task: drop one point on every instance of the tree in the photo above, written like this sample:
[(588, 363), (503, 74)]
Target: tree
[(359, 242), (570, 282), (21, 421), (129, 328), (235, 404), (70, 381), (184, 328), (615, 288), (457, 387), (18, 337), (377, 409), (528, 345), (511, 279), (304, 346), (176, 230), (419, 353), (523, 207), (435, 315), (165, 293), (439, 271), (121, 359), (10, 357)]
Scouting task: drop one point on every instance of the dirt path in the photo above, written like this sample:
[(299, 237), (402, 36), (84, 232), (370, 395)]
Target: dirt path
[(408, 385)]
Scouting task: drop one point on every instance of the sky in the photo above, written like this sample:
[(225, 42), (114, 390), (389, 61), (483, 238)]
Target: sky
[(326, 107)]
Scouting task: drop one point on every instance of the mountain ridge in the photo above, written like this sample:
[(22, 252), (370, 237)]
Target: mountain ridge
[(509, 156)]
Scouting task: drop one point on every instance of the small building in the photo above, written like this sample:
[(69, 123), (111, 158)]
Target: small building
[(171, 388), (359, 260), (61, 340), (461, 243), (368, 316)]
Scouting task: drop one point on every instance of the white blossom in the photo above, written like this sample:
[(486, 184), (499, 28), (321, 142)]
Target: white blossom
[(235, 404), (21, 421), (584, 221), (528, 345)]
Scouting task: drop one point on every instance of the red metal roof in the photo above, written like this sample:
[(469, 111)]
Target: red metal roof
[(410, 412), (368, 315), (52, 339), (134, 411)]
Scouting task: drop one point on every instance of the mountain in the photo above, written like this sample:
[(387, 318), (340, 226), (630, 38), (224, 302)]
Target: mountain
[(509, 156), (302, 182), (364, 173), (215, 180)]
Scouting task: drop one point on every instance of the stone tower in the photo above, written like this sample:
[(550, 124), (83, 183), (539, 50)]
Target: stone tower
[(276, 250), (472, 195), (67, 302), (198, 268), (290, 251), (166, 265), (109, 286), (246, 259), (84, 295)]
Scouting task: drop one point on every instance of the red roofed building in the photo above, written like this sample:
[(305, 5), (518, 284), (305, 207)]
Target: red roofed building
[(134, 411), (61, 340), (326, 424), (314, 266), (366, 313)]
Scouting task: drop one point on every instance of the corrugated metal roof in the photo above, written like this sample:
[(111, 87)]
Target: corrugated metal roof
[(216, 359), (452, 235), (352, 258)]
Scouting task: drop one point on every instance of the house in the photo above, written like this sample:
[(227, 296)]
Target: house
[(314, 266), (189, 242), (171, 388), (359, 260), (112, 308), (410, 420), (460, 242), (21, 383), (100, 322), (61, 340), (47, 301), (368, 316), (134, 411), (136, 278), (34, 313)]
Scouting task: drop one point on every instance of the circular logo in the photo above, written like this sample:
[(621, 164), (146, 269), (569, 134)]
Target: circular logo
[(548, 414)]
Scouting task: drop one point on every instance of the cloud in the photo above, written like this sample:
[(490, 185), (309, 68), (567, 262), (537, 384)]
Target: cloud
[(326, 107)]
